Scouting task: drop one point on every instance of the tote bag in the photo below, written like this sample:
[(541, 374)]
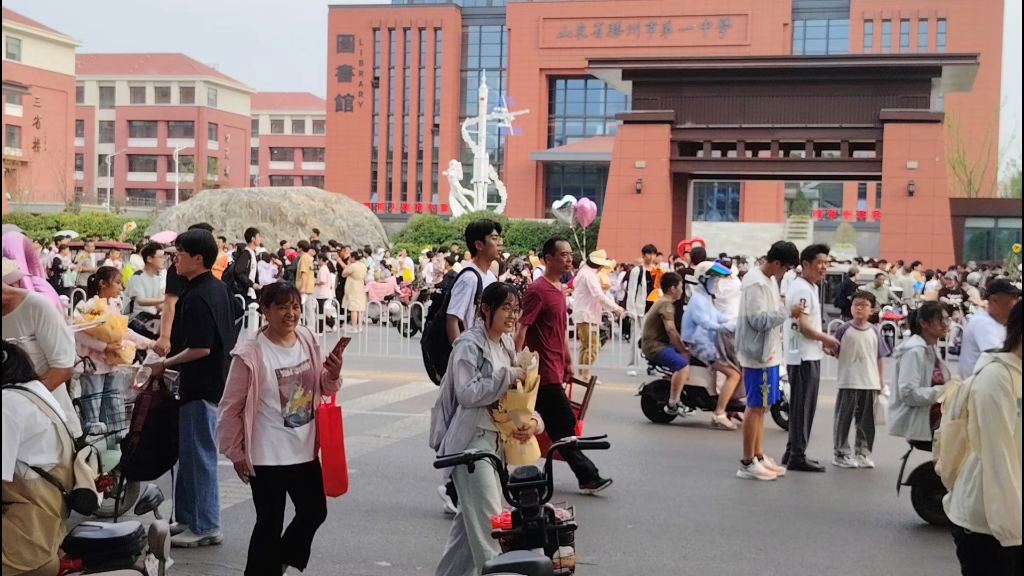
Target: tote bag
[(332, 448)]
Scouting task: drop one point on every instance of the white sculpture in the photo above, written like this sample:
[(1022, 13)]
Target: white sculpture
[(474, 133)]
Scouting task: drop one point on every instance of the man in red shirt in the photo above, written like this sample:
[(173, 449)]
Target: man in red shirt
[(542, 328)]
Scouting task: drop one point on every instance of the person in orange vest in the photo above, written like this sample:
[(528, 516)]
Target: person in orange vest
[(222, 258)]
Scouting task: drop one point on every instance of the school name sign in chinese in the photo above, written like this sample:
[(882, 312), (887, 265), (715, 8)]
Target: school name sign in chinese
[(650, 31)]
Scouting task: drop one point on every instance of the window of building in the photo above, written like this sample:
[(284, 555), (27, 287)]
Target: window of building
[(13, 51), (211, 132), (938, 103), (319, 127), (187, 95), (904, 35), (922, 35), (940, 35), (79, 162), (12, 136), (108, 97), (13, 96), (142, 129), (821, 36), (181, 129), (582, 107), (186, 164), (211, 166), (312, 154), (255, 128), (137, 94), (315, 181), (254, 156), (101, 165), (106, 132), (162, 94), (299, 126), (79, 94), (886, 36), (862, 196), (989, 239), (79, 194), (79, 128), (211, 97), (282, 155), (716, 201), (878, 195), (141, 196), (582, 180), (277, 126), (824, 195), (141, 163), (278, 180), (869, 36)]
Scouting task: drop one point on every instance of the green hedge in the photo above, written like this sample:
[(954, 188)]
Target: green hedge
[(100, 225), (520, 236)]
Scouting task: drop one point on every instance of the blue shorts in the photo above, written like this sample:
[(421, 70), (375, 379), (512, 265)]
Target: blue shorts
[(670, 358), (762, 386)]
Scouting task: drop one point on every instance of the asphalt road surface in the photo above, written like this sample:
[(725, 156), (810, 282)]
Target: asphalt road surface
[(675, 508)]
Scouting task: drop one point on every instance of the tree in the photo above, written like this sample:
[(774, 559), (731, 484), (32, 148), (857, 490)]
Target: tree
[(1013, 188), (845, 233), (800, 206), (972, 170)]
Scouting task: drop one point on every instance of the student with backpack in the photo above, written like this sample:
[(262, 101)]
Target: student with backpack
[(456, 311), (984, 503)]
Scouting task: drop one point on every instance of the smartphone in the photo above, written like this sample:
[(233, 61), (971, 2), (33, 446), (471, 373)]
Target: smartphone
[(339, 348)]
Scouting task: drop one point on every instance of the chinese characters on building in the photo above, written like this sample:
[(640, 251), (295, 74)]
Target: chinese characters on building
[(645, 29), (349, 98)]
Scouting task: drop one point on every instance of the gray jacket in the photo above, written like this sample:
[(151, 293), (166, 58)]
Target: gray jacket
[(761, 314), (469, 387), (911, 402)]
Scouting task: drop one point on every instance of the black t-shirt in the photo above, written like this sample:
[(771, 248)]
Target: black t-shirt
[(176, 283), (204, 318), (957, 297)]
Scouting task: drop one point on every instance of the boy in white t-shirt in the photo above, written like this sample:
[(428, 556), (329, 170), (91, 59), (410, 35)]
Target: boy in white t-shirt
[(861, 350)]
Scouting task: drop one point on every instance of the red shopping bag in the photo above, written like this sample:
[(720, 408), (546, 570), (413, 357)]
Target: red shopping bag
[(332, 448)]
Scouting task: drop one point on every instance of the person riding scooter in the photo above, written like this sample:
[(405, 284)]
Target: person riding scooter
[(661, 344), (702, 323)]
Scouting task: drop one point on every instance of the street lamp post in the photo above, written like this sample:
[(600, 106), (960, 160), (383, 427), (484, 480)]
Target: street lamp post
[(110, 174), (177, 173)]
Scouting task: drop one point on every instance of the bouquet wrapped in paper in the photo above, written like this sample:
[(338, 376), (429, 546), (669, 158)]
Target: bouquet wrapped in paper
[(516, 409), (111, 330)]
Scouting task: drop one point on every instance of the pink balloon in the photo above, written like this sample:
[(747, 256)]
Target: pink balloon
[(586, 211)]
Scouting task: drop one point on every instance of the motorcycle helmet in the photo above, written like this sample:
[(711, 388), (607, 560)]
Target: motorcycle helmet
[(708, 273), (974, 279)]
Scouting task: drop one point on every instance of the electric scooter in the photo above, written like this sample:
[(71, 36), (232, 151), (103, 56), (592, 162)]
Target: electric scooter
[(926, 488), (120, 549), (538, 533)]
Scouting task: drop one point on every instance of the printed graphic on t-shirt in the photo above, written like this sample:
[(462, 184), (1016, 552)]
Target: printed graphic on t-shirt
[(296, 401)]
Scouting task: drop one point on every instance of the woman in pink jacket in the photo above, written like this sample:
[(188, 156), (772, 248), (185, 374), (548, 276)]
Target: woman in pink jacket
[(266, 427)]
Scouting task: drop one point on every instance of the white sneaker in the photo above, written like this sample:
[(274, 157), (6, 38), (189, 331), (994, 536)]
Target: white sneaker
[(772, 466), (189, 539), (723, 421), (863, 461), (449, 506), (844, 461), (755, 471)]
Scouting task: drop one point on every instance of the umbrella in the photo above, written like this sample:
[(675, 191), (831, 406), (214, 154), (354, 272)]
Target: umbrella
[(165, 237), (68, 233), (10, 228)]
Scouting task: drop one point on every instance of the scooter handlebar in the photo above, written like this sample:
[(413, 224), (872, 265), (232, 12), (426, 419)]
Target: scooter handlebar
[(467, 457)]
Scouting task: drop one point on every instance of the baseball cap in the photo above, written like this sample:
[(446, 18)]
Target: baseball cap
[(999, 286)]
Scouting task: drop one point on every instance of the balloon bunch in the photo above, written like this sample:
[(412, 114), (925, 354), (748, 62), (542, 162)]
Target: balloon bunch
[(577, 214)]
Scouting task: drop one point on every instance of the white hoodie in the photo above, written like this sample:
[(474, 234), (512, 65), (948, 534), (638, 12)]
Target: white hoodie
[(986, 496)]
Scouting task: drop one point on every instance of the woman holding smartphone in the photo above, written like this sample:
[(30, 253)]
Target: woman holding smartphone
[(266, 427)]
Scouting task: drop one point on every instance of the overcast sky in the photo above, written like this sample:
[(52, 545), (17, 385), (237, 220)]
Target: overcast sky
[(280, 45)]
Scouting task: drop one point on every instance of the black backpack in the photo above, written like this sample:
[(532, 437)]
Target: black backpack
[(291, 271), (434, 342), (231, 279), (150, 447)]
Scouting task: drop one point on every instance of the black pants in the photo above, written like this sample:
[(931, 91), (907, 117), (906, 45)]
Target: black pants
[(321, 303), (560, 422), (803, 401), (982, 555), (268, 548)]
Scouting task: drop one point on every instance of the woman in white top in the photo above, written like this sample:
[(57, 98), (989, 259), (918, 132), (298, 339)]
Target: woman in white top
[(985, 503), (33, 512), (323, 288)]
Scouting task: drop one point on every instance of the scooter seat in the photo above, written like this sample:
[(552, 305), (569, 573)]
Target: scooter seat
[(519, 562), (100, 543)]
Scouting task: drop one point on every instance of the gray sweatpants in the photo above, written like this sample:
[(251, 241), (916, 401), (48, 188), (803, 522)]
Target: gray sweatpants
[(469, 540), (854, 406)]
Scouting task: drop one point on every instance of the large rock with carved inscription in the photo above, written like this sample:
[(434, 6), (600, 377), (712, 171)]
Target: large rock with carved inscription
[(280, 214)]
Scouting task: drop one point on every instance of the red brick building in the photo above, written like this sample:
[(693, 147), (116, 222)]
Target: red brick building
[(288, 138), (402, 77), (135, 110), (38, 112)]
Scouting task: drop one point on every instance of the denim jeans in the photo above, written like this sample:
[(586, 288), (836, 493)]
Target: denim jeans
[(102, 400), (196, 492)]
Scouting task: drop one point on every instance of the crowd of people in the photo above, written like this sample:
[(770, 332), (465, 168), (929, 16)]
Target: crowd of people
[(752, 325)]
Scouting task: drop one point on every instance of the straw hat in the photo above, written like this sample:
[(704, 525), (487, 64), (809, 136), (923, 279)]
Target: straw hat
[(600, 258)]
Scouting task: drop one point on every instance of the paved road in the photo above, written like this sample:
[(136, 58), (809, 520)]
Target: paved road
[(675, 508)]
